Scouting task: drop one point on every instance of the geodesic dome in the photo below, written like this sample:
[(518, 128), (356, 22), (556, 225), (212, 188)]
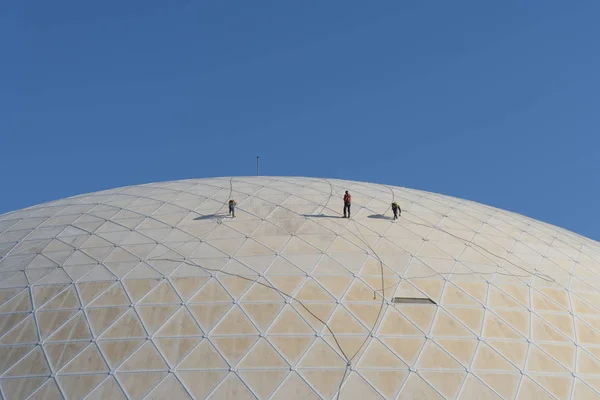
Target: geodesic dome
[(153, 291)]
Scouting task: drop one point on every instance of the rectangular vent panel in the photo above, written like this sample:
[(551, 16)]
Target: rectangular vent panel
[(412, 300)]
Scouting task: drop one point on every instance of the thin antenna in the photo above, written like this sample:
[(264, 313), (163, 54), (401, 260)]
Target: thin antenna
[(257, 166)]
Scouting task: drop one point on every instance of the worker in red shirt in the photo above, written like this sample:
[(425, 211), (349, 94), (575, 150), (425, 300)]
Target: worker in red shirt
[(347, 203)]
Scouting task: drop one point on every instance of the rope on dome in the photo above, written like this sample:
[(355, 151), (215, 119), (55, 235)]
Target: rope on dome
[(383, 301), (228, 198)]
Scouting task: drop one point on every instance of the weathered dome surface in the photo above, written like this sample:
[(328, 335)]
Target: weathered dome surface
[(152, 291)]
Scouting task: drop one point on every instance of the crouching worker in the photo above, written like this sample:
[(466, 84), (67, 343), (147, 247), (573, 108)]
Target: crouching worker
[(232, 204), (396, 209)]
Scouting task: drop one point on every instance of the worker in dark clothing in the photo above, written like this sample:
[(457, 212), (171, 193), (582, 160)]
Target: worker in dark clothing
[(396, 209), (347, 204), (232, 204)]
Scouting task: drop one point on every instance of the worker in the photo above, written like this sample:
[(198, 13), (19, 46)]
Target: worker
[(232, 204), (396, 209), (347, 203)]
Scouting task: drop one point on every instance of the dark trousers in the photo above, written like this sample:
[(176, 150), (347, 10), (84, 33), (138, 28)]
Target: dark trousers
[(347, 207), (395, 210), (232, 211)]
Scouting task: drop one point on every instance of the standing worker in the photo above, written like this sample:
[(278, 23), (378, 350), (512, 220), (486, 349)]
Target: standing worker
[(232, 204), (347, 203), (396, 209)]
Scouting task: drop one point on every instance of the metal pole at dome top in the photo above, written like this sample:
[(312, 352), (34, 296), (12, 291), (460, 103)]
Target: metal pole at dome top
[(257, 166)]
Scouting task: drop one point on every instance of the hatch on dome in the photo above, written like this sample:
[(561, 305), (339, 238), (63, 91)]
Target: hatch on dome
[(412, 300)]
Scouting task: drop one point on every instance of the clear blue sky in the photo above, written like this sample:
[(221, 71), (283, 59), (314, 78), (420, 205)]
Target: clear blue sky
[(495, 102)]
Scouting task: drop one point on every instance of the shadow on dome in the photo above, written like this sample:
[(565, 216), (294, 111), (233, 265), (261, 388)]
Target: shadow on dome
[(210, 216), (321, 216), (379, 216)]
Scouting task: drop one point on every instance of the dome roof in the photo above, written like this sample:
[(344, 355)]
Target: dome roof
[(153, 291)]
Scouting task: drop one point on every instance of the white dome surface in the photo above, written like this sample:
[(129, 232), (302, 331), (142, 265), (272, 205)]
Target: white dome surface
[(153, 292)]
